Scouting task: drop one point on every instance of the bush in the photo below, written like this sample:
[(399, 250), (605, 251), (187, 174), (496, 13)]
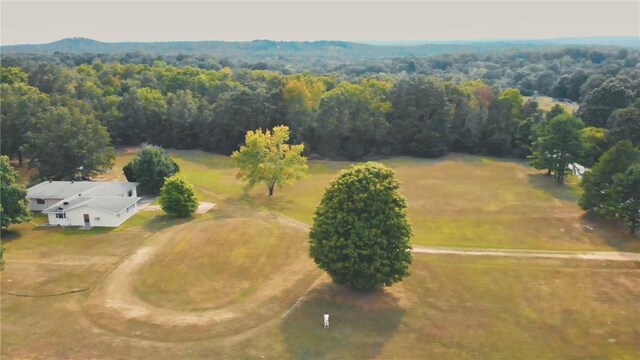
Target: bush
[(150, 168), (177, 197)]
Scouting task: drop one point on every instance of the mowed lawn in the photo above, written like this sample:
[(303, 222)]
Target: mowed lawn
[(455, 201), (205, 268), (459, 201), (478, 308), (451, 307), (240, 258)]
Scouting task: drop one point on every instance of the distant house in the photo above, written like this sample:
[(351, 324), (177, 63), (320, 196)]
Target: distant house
[(84, 203)]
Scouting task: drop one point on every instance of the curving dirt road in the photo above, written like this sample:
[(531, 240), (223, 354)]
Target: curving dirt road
[(116, 293)]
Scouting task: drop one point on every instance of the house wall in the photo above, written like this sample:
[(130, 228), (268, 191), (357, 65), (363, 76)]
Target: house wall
[(75, 217), (53, 220), (34, 206)]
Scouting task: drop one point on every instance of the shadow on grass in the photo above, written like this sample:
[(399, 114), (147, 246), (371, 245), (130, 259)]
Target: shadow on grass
[(559, 191), (614, 232), (9, 235), (361, 323)]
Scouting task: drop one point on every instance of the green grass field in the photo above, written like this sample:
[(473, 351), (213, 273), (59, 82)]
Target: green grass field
[(237, 282), (460, 200)]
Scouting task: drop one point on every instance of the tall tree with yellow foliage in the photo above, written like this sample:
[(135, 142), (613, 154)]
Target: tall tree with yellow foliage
[(267, 158)]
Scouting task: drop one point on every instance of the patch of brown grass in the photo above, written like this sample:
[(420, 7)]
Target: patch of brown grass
[(212, 264)]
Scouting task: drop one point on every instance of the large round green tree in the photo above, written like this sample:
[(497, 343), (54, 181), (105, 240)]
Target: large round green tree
[(360, 234), (66, 143)]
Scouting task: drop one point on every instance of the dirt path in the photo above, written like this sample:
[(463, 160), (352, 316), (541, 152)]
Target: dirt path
[(581, 255), (116, 293)]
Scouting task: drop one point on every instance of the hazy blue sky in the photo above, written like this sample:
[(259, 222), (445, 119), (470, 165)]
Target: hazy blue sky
[(46, 21)]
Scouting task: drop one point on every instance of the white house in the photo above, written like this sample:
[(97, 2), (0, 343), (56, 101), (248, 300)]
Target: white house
[(84, 203)]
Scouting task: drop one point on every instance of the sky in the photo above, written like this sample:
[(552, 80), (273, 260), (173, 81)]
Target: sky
[(33, 22)]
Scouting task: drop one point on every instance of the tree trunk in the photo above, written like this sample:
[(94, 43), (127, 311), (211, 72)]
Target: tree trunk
[(633, 227), (271, 186), (560, 170), (19, 158)]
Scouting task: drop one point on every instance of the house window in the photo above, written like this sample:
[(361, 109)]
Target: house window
[(40, 201), (130, 193), (61, 216)]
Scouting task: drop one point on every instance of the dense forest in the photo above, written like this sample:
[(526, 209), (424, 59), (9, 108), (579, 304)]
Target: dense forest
[(420, 106), (514, 66)]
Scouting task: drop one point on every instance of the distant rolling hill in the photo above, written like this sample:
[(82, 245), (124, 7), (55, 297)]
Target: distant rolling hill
[(338, 49)]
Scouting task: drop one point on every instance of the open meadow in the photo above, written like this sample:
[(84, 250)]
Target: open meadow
[(237, 281), (545, 103)]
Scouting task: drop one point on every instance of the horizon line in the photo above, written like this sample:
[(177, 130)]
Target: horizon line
[(404, 42)]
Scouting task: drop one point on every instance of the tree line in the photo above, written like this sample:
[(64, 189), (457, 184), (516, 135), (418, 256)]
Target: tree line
[(66, 119), (192, 108)]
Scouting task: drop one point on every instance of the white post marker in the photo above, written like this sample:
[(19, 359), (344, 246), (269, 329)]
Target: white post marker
[(326, 320)]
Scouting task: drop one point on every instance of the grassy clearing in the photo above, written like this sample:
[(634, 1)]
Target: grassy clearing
[(546, 103), (484, 202), (458, 200), (471, 201)]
